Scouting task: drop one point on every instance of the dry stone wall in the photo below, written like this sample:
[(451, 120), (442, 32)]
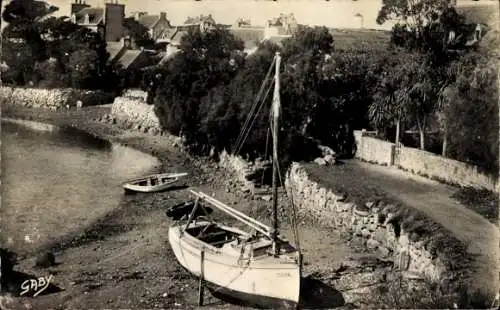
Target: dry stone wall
[(415, 243), (53, 98), (135, 114), (426, 164)]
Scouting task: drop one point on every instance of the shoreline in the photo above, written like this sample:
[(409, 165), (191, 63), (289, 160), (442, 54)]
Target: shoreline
[(206, 175), (323, 255), (85, 120)]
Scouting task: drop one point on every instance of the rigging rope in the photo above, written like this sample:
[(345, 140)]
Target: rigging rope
[(265, 155), (245, 131), (256, 102), (293, 214), (253, 121), (242, 137)]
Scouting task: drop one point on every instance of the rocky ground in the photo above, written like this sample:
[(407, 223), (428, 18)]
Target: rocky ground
[(123, 260)]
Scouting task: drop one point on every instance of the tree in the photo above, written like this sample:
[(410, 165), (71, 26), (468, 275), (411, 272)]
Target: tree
[(387, 107), (304, 57), (138, 32), (473, 113), (44, 45), (83, 67), (426, 26), (414, 14), (207, 60), (27, 11)]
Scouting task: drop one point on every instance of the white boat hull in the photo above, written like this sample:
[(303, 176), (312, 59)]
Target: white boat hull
[(142, 185), (264, 282)]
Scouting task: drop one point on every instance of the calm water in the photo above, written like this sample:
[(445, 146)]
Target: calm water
[(58, 180)]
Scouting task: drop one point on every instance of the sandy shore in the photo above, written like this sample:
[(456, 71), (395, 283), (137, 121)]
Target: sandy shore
[(123, 260)]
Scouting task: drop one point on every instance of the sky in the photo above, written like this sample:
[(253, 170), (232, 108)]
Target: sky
[(333, 13)]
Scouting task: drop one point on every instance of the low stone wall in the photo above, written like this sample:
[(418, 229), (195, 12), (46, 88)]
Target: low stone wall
[(53, 98), (415, 243), (442, 169), (419, 162), (376, 151), (136, 94), (239, 167), (135, 114)]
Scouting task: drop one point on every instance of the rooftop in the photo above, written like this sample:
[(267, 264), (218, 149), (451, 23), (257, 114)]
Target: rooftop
[(167, 33), (113, 48), (149, 21), (176, 38), (95, 15), (129, 57)]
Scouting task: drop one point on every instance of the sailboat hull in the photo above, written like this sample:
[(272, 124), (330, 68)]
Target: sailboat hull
[(266, 282)]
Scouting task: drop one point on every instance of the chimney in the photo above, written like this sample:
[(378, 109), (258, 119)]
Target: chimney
[(163, 15), (114, 17), (78, 6)]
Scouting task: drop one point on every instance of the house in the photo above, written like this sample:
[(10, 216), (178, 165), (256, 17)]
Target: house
[(205, 22), (284, 25), (108, 21), (173, 41), (123, 54), (156, 24), (251, 36), (172, 36)]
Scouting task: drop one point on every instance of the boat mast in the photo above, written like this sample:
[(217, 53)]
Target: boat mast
[(276, 113)]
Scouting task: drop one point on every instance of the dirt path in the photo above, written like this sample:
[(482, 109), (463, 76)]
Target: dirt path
[(432, 198)]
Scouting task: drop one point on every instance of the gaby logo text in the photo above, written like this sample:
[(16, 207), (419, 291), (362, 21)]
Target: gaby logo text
[(37, 285)]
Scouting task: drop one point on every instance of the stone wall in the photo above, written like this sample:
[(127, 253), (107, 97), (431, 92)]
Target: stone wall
[(52, 98), (376, 151), (443, 169), (240, 168), (419, 162), (136, 94), (135, 114), (415, 243)]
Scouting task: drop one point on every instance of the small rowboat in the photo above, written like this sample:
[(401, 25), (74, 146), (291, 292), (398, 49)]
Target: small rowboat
[(176, 212), (153, 183)]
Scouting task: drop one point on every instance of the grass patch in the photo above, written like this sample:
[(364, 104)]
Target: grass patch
[(360, 39), (481, 201), (399, 293)]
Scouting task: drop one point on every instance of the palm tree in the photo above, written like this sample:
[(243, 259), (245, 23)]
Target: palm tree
[(387, 106)]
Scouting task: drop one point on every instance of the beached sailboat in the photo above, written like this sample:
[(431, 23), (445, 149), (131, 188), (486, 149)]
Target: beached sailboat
[(260, 269), (153, 183)]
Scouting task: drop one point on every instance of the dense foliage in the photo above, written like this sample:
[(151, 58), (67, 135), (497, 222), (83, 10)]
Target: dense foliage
[(138, 32), (46, 51), (420, 84), (443, 81)]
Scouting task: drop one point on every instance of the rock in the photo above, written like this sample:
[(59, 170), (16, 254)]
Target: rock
[(359, 211), (365, 232), (325, 150), (320, 161), (329, 159), (372, 244), (267, 198), (45, 260), (383, 251)]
